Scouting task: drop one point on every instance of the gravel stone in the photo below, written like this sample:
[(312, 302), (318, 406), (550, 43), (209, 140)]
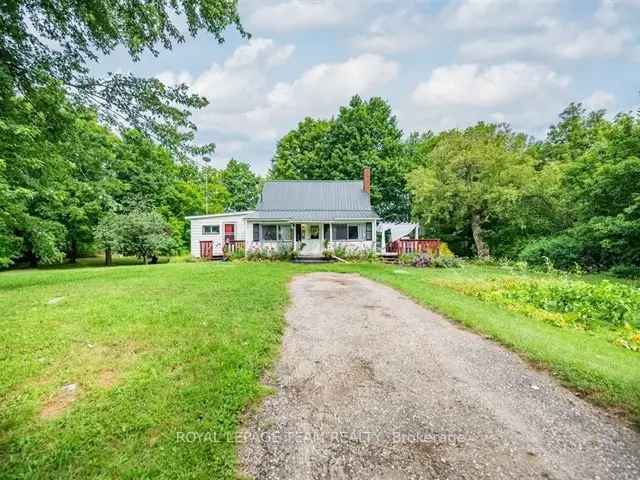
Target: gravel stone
[(369, 385)]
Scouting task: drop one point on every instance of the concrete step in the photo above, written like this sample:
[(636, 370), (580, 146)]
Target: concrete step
[(308, 259)]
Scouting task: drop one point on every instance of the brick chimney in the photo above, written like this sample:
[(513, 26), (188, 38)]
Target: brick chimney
[(366, 179)]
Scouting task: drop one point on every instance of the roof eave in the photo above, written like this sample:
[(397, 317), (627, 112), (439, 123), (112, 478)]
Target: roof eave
[(215, 215)]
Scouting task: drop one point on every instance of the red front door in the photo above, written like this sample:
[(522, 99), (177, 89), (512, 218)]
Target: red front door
[(229, 232)]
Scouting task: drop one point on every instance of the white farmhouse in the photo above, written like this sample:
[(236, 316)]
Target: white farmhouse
[(306, 215)]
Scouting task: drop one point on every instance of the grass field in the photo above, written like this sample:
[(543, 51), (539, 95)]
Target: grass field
[(152, 351), (103, 371)]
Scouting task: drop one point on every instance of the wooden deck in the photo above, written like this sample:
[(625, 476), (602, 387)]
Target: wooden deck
[(403, 246), (230, 246)]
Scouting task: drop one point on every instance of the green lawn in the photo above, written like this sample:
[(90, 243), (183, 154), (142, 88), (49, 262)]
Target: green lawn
[(154, 351), (161, 350)]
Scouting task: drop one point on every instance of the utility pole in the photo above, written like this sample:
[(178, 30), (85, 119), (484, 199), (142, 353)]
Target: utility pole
[(207, 161)]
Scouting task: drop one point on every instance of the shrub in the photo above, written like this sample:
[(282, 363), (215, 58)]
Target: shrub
[(517, 265), (599, 244), (444, 250), (485, 261), (563, 251), (347, 252), (446, 262), (420, 260), (625, 271), (406, 258), (234, 255), (602, 303), (283, 251)]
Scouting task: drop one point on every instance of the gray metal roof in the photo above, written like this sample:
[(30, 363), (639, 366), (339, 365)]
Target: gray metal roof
[(313, 200)]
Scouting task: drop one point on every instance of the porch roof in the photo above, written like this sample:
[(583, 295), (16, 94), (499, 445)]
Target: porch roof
[(312, 215)]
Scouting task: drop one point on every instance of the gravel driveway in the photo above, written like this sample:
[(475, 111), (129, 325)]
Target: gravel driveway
[(369, 385)]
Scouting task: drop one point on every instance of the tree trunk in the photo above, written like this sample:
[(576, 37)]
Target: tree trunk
[(73, 251), (108, 258), (476, 227)]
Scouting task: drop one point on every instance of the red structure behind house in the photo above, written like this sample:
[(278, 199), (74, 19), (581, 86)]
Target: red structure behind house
[(402, 246)]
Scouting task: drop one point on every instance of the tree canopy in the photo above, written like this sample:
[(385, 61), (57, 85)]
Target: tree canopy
[(243, 186), (143, 234), (571, 199), (470, 179), (364, 134), (42, 40), (61, 172)]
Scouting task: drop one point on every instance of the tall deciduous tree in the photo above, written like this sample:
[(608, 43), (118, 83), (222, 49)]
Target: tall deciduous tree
[(299, 154), (243, 186), (470, 179), (364, 134), (600, 186)]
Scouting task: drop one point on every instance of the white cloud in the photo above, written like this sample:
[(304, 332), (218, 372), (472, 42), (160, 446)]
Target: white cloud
[(473, 85), (605, 34), (302, 15), (528, 96), (399, 32), (323, 87), (173, 79), (567, 42), (259, 50), (612, 12), (496, 14), (318, 92), (596, 42), (600, 100), (239, 83), (247, 110)]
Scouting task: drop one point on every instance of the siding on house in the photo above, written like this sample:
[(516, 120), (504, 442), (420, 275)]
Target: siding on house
[(198, 222), (292, 202), (361, 244)]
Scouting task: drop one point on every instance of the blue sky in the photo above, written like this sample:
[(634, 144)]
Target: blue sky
[(440, 63)]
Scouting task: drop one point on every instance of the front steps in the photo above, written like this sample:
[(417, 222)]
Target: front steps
[(309, 259)]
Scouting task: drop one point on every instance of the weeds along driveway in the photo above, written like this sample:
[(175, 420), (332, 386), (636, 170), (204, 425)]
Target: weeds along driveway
[(371, 385)]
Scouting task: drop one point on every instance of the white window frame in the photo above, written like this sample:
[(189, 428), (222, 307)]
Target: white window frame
[(348, 225), (262, 230), (279, 227), (289, 227), (210, 234)]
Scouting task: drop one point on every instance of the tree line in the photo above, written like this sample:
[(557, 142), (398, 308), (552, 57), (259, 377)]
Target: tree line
[(570, 199), (80, 153), (62, 172), (69, 184)]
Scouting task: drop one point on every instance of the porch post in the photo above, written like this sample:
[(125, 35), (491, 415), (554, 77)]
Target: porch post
[(374, 237)]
